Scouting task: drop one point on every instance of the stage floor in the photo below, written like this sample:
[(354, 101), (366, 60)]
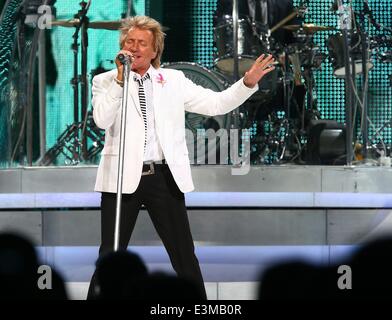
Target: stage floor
[(271, 205), (215, 185)]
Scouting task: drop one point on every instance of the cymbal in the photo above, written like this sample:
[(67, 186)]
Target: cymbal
[(107, 25), (284, 21), (65, 23), (308, 27)]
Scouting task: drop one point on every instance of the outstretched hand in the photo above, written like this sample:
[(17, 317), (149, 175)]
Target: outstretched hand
[(263, 65)]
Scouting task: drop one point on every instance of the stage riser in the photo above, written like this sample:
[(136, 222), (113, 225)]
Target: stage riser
[(214, 179), (212, 227)]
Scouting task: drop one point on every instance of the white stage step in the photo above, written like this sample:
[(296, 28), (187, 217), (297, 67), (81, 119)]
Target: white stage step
[(215, 290)]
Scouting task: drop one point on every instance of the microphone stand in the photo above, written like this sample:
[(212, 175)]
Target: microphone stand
[(120, 172)]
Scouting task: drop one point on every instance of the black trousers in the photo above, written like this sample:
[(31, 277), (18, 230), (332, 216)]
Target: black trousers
[(165, 204)]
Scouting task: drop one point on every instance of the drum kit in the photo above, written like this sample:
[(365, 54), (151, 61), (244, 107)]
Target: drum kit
[(278, 114)]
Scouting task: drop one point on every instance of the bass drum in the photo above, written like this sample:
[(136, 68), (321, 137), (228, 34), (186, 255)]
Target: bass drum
[(195, 122)]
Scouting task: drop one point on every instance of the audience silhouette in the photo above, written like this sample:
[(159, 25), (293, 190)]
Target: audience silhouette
[(161, 286), (367, 274), (123, 275), (116, 274), (19, 272)]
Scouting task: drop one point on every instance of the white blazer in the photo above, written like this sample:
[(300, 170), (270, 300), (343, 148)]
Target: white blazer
[(173, 94)]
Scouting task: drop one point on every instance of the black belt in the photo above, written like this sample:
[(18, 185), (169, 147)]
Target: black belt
[(150, 167)]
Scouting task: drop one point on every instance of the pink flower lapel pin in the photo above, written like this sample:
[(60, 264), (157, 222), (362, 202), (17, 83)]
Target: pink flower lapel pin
[(160, 79)]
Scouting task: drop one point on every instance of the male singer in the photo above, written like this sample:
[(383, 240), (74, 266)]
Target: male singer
[(157, 172)]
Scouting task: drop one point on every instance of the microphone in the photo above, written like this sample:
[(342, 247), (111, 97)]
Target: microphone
[(123, 58)]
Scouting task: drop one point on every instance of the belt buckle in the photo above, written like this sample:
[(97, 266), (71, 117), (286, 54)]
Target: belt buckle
[(150, 171)]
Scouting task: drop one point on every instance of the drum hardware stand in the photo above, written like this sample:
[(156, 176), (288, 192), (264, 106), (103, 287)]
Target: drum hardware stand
[(83, 81), (291, 131), (69, 144), (345, 25), (365, 75), (84, 20), (350, 78), (387, 123), (367, 12), (309, 109), (286, 83), (365, 42), (76, 133), (236, 116), (311, 96)]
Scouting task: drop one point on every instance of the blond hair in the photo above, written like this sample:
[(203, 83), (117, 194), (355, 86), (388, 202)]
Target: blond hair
[(145, 23)]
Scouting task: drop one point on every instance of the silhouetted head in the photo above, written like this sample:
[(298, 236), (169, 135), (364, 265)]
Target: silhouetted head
[(116, 273), (293, 280), (371, 268), (18, 267)]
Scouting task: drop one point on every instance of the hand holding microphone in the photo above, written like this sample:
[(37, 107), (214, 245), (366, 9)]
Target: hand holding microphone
[(123, 57)]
